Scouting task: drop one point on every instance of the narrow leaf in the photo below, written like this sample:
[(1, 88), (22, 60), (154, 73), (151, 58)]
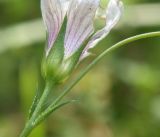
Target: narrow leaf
[(34, 103), (51, 109)]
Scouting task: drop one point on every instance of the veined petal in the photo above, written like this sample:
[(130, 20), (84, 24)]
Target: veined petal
[(113, 14), (53, 12), (80, 24)]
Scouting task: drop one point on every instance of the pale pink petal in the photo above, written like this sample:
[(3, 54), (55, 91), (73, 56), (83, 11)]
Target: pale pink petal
[(53, 12), (113, 14), (80, 24)]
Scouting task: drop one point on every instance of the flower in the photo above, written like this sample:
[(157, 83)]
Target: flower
[(71, 33)]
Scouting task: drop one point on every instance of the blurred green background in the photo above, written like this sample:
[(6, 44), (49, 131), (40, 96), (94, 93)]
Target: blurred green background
[(119, 97)]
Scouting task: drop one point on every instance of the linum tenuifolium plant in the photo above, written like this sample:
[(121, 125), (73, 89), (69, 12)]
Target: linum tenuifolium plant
[(70, 26)]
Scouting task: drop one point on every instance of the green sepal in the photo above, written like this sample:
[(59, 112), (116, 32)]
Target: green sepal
[(75, 58), (52, 62), (71, 62)]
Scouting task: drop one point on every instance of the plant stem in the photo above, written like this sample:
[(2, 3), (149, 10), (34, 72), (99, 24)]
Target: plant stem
[(94, 62), (31, 123)]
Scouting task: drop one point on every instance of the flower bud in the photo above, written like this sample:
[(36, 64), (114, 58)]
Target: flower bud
[(55, 66), (71, 33)]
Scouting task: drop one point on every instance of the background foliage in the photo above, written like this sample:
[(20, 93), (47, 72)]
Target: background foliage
[(120, 97)]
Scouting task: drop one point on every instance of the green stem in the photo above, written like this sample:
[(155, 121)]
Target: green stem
[(94, 62), (31, 123)]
